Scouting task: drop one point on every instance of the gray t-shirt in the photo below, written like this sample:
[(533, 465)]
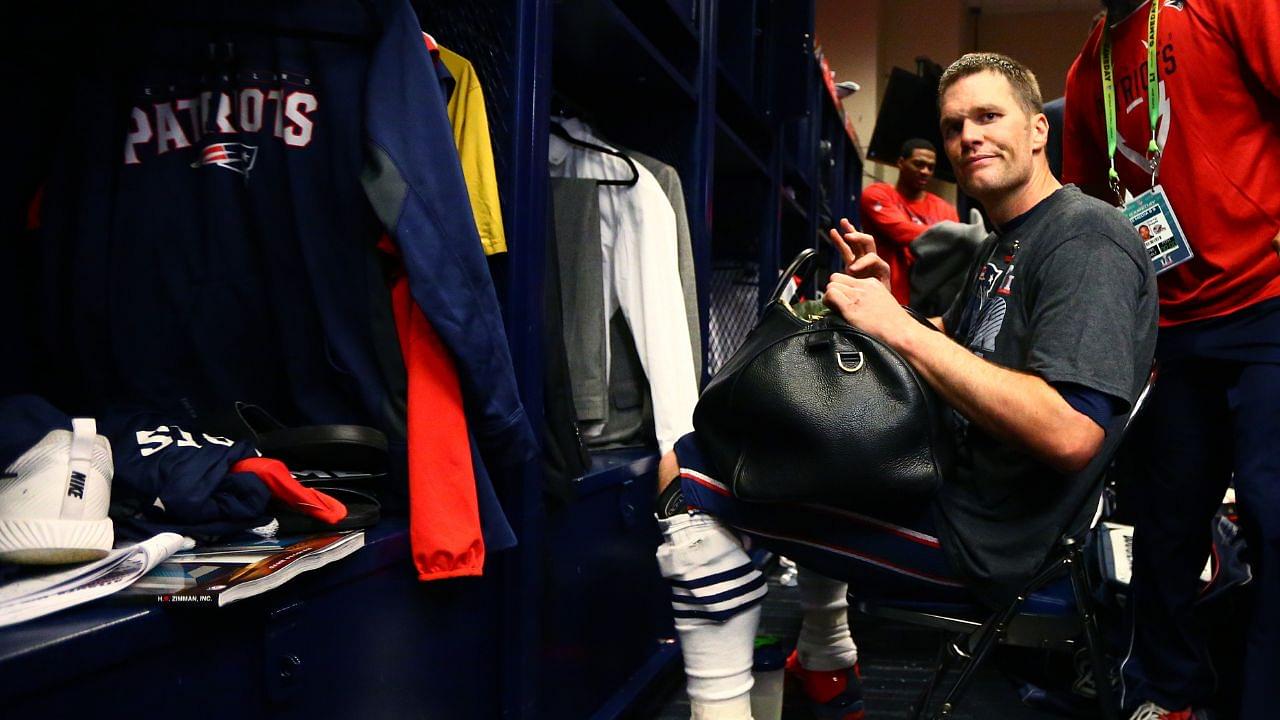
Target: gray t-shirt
[(1067, 293)]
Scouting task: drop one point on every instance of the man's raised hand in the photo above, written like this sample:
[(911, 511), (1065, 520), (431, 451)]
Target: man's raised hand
[(858, 253)]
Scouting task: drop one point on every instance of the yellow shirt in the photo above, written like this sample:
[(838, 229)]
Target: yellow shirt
[(471, 136)]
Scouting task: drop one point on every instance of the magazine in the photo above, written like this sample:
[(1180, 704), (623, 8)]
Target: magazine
[(242, 551), (218, 584), (48, 591)]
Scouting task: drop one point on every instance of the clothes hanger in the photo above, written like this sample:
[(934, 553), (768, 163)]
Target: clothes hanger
[(559, 131)]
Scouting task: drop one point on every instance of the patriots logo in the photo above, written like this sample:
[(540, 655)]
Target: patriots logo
[(236, 157), (988, 327), (987, 279), (988, 307)]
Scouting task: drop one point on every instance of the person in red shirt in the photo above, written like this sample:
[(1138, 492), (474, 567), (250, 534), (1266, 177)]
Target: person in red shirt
[(1210, 147), (896, 214)]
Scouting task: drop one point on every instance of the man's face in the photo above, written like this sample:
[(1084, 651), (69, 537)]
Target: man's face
[(988, 137), (915, 171)]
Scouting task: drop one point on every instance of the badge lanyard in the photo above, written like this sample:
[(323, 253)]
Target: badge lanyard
[(1153, 99)]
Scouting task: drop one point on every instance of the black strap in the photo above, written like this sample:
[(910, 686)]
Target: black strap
[(798, 266), (801, 264)]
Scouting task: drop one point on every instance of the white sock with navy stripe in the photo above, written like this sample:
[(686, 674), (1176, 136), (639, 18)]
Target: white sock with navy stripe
[(716, 595), (825, 642)]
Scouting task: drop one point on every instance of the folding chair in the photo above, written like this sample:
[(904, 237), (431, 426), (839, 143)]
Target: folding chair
[(1051, 611)]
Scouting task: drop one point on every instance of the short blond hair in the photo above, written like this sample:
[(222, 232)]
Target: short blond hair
[(1022, 80)]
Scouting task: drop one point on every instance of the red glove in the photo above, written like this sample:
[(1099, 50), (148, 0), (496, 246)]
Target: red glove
[(285, 488)]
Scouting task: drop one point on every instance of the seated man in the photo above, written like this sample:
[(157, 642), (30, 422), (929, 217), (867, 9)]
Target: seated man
[(1043, 353)]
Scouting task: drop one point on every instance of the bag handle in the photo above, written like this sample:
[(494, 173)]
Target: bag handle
[(801, 264), (798, 266)]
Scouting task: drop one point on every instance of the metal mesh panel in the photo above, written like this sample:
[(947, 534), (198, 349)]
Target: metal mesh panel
[(484, 32), (735, 300)]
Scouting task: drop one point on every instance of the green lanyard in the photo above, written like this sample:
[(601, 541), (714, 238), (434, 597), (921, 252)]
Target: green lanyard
[(1153, 99)]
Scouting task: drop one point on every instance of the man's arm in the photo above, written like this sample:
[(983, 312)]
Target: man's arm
[(1083, 159), (1018, 407)]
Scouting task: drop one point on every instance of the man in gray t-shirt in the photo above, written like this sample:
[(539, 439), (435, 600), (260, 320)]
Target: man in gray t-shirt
[(1065, 293), (1042, 354)]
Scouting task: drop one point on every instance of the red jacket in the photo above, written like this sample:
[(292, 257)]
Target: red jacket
[(894, 222), (1219, 66)]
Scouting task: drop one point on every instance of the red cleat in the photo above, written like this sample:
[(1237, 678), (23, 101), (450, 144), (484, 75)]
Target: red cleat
[(832, 694)]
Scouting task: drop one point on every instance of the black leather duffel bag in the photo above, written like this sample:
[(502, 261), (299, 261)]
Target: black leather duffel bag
[(812, 410)]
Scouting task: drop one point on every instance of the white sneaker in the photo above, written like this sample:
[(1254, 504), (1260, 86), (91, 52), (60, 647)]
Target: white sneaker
[(54, 499)]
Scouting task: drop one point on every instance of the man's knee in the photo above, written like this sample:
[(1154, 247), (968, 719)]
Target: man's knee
[(711, 576), (670, 493)]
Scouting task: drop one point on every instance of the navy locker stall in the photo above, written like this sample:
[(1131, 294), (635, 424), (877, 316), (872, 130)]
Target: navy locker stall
[(574, 622)]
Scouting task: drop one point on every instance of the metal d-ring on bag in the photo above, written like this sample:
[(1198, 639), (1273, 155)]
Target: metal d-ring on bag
[(811, 410)]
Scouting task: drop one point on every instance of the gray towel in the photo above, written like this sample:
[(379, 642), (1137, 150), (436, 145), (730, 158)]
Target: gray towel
[(943, 254)]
